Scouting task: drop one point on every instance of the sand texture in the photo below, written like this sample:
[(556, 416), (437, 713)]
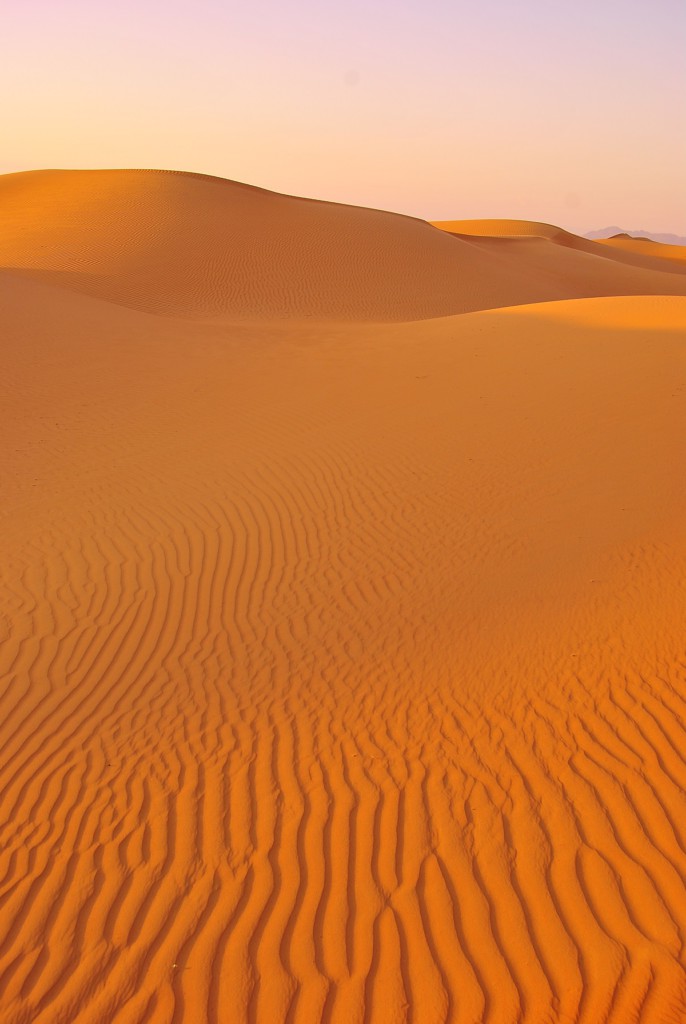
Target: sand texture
[(342, 590)]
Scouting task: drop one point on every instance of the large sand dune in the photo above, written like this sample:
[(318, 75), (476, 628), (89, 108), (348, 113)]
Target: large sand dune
[(193, 246), (342, 669)]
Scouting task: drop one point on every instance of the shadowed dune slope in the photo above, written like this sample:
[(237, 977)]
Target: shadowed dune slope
[(194, 246), (342, 670)]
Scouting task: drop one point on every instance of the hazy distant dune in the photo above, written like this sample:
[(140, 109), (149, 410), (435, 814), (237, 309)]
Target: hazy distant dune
[(654, 236)]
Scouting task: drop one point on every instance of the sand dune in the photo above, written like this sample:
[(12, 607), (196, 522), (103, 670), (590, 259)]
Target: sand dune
[(198, 247), (342, 672), (645, 246), (499, 231), (654, 236)]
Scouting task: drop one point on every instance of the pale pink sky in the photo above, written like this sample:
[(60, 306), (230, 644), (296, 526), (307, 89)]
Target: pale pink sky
[(569, 112)]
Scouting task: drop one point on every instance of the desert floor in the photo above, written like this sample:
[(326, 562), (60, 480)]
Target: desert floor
[(342, 607)]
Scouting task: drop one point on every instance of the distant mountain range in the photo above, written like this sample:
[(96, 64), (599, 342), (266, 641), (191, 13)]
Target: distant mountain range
[(653, 235)]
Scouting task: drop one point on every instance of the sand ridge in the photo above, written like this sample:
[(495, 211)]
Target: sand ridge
[(342, 671)]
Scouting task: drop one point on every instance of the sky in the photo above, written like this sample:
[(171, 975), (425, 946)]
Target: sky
[(567, 112)]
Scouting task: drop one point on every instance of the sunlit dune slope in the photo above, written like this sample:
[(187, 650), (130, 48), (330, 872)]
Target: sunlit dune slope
[(342, 668), (502, 228), (193, 246)]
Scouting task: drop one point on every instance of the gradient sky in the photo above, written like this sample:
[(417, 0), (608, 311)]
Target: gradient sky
[(568, 112)]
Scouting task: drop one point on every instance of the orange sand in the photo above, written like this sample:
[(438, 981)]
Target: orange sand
[(342, 673)]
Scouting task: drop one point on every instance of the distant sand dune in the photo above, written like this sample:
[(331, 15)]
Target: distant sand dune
[(645, 246), (640, 255), (342, 665)]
